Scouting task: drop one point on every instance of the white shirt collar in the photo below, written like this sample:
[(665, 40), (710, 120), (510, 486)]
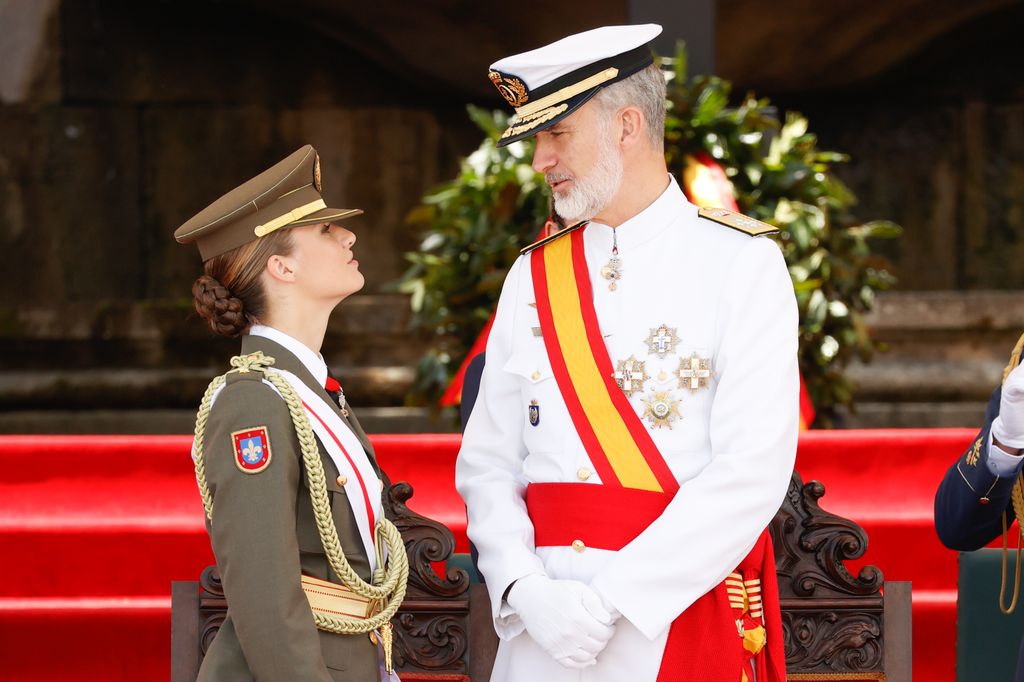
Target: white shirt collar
[(314, 362), (648, 223)]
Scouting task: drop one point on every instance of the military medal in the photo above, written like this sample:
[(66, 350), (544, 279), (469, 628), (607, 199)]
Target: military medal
[(534, 413), (661, 341), (630, 375), (694, 372), (337, 394), (612, 270), (661, 410)]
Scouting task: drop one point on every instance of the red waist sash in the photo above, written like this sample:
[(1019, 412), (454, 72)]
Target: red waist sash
[(565, 512), (705, 641)]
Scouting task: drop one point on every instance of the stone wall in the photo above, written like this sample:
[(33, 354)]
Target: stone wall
[(937, 144), (158, 110), (119, 120)]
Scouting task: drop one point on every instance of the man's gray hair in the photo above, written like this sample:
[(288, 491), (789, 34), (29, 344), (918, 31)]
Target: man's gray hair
[(644, 90)]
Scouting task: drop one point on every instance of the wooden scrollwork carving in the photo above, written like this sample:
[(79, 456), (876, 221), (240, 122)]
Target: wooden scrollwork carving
[(812, 546)]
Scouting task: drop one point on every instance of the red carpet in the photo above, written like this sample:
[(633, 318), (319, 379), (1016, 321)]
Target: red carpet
[(93, 529)]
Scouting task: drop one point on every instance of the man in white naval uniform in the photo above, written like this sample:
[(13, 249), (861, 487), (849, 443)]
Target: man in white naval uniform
[(700, 323)]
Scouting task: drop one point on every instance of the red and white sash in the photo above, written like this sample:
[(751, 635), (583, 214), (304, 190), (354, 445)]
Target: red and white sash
[(345, 450)]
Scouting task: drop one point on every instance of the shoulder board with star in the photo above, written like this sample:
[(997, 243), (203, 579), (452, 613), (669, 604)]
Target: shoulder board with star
[(737, 221), (551, 238)]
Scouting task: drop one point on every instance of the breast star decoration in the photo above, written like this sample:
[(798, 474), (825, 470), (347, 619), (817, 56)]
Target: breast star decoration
[(662, 341), (660, 409), (694, 372), (630, 375)]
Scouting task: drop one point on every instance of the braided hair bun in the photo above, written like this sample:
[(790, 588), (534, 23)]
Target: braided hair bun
[(215, 303)]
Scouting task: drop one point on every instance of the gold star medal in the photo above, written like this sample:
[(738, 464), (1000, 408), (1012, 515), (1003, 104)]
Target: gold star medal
[(662, 341), (630, 375), (661, 410), (694, 372)]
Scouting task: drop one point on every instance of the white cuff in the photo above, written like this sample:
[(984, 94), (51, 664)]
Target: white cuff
[(507, 623), (1000, 463)]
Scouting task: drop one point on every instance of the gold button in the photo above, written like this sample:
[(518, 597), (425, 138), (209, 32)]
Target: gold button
[(342, 480), (583, 474), (578, 545), (535, 376)]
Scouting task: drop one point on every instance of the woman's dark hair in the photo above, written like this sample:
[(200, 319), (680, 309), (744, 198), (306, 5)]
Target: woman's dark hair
[(230, 296)]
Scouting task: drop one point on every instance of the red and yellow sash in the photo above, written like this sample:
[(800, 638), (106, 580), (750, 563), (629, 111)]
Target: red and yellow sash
[(621, 449), (703, 642)]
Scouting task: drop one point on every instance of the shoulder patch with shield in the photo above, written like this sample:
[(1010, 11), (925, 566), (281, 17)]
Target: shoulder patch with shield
[(252, 449)]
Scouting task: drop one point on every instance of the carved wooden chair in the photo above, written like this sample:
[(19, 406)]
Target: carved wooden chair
[(836, 626)]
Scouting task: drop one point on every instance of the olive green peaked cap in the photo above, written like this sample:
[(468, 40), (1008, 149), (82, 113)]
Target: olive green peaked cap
[(285, 195)]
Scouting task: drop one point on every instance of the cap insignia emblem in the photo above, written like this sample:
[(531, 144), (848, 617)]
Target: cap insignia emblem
[(316, 174), (512, 89)]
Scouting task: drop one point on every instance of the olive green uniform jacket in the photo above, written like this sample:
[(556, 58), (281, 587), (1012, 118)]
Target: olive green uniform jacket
[(264, 536)]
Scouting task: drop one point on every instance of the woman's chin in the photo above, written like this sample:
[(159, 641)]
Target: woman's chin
[(353, 285)]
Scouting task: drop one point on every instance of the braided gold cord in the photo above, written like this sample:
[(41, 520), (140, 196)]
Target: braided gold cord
[(1007, 610), (200, 464), (1017, 496), (389, 585)]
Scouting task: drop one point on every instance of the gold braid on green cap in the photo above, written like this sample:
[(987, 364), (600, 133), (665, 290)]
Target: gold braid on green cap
[(1017, 495), (389, 585)]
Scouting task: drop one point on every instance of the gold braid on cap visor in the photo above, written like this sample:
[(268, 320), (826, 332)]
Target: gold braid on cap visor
[(530, 122), (289, 217), (567, 92)]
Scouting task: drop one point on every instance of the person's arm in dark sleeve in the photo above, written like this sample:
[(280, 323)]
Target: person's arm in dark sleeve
[(972, 497), (253, 536)]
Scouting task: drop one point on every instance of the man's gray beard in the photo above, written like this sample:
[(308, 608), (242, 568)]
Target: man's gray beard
[(590, 195)]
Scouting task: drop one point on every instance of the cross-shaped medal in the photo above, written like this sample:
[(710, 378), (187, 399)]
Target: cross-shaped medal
[(694, 372), (630, 375), (662, 341)]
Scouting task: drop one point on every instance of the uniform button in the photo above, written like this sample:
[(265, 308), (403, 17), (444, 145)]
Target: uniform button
[(535, 376), (578, 545), (583, 474), (342, 480)]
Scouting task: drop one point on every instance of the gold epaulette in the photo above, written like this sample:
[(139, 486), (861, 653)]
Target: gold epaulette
[(551, 237), (738, 221)]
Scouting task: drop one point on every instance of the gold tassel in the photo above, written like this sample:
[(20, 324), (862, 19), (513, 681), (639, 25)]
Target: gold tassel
[(386, 636)]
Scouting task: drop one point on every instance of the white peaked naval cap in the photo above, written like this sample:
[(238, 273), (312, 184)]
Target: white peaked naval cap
[(547, 84)]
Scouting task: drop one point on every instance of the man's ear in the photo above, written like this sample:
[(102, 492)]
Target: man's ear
[(281, 268), (633, 124)]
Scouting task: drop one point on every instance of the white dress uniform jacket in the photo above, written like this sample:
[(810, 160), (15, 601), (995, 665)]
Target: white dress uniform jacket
[(730, 299)]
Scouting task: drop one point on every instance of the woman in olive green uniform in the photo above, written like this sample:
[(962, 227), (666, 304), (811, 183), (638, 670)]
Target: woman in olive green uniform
[(311, 570)]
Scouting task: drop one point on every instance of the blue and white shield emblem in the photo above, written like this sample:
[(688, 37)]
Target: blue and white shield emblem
[(534, 413), (252, 449)]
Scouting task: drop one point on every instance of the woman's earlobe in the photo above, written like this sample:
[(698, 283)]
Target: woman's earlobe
[(278, 268)]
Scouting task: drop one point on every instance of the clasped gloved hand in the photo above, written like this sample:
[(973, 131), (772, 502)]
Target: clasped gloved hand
[(565, 617)]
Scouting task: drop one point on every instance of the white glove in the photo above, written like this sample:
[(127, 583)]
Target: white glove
[(565, 617), (1008, 427)]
